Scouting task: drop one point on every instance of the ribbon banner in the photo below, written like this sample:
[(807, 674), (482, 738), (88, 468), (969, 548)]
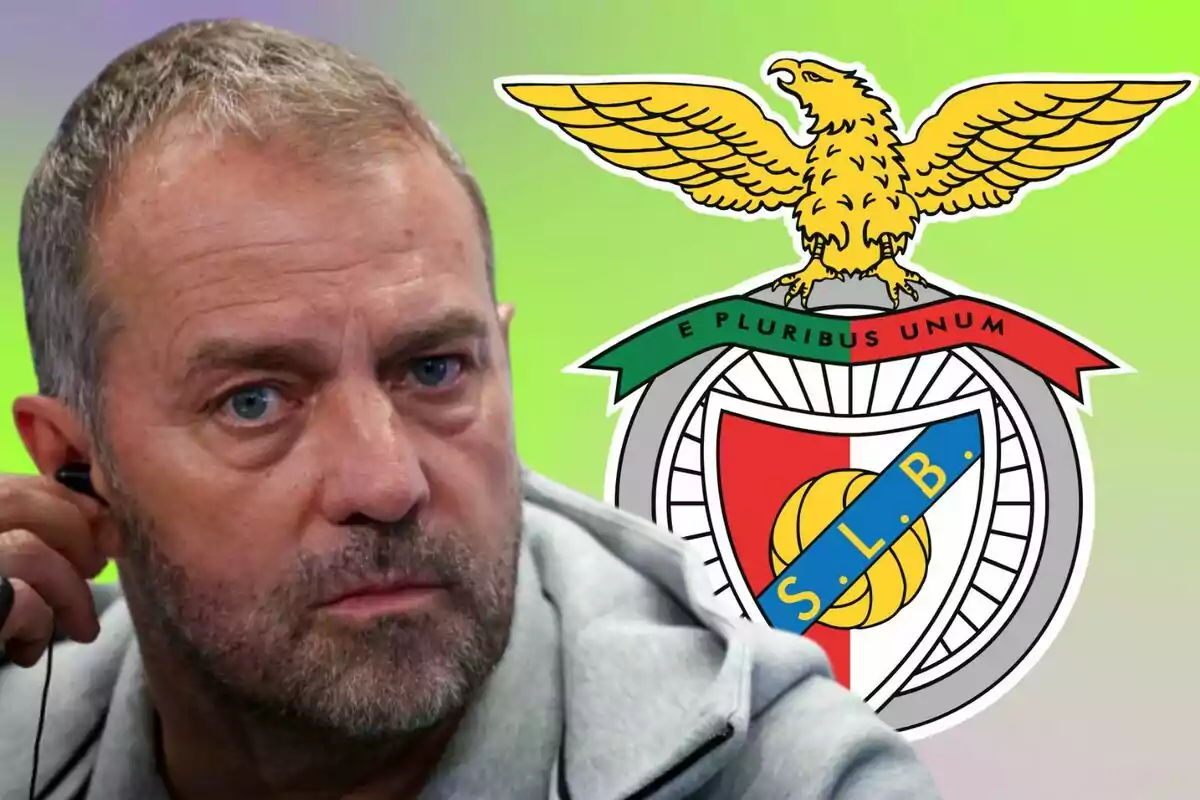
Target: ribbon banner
[(765, 327), (906, 489)]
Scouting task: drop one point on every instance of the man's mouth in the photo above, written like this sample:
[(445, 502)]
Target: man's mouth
[(383, 598)]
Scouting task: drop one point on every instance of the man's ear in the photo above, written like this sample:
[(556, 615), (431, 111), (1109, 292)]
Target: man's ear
[(54, 437), (52, 434), (506, 312)]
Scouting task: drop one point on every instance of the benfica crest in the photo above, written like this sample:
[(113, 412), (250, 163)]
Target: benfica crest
[(856, 452)]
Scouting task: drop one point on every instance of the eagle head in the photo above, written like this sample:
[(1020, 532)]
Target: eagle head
[(829, 96)]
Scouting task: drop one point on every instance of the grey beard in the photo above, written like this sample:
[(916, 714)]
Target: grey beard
[(280, 665)]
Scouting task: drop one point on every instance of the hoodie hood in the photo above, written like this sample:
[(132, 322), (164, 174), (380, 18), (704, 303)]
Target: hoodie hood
[(659, 688)]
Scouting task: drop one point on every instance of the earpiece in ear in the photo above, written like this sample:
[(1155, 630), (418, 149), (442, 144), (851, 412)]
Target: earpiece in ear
[(78, 478)]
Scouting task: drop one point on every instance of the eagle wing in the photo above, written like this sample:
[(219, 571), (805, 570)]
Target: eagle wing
[(714, 144), (986, 143)]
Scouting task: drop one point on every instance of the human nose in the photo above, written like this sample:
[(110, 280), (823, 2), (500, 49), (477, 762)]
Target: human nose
[(371, 467)]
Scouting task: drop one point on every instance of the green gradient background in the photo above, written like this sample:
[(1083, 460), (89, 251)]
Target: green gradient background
[(1110, 254)]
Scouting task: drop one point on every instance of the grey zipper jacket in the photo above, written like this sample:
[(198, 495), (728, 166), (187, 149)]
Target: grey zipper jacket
[(620, 682)]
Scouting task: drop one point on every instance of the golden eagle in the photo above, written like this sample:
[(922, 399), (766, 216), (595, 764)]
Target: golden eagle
[(857, 190)]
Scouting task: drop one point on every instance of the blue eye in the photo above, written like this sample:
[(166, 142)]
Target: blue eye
[(252, 404), (437, 371)]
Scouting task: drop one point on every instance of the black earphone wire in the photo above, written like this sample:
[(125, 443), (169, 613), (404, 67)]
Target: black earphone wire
[(75, 477), (37, 741)]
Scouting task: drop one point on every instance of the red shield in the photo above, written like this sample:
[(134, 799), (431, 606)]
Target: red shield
[(759, 467), (757, 457)]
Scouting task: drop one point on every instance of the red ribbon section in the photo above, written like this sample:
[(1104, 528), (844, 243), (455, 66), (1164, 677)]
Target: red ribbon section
[(961, 321)]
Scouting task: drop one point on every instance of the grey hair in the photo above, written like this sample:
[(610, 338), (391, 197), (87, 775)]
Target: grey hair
[(222, 76)]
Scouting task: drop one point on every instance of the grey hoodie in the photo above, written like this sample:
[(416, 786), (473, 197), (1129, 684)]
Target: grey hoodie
[(621, 681)]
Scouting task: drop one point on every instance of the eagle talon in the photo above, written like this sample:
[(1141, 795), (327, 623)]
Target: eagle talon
[(800, 283), (897, 279)]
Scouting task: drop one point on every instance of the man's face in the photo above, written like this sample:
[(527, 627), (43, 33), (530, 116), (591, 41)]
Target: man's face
[(308, 397)]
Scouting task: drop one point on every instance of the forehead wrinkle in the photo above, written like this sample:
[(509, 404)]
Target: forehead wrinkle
[(198, 240), (309, 312), (264, 260), (335, 275), (193, 317), (189, 239), (167, 163)]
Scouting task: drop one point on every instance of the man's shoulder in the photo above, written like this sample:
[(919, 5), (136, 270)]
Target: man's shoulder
[(82, 680), (596, 561), (638, 613)]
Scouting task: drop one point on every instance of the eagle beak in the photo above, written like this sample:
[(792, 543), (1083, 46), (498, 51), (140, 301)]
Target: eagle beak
[(785, 70)]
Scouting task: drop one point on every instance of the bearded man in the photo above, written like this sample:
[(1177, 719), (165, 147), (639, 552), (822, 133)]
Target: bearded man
[(260, 297)]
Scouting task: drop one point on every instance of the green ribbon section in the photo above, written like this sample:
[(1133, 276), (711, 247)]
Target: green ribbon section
[(736, 322)]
